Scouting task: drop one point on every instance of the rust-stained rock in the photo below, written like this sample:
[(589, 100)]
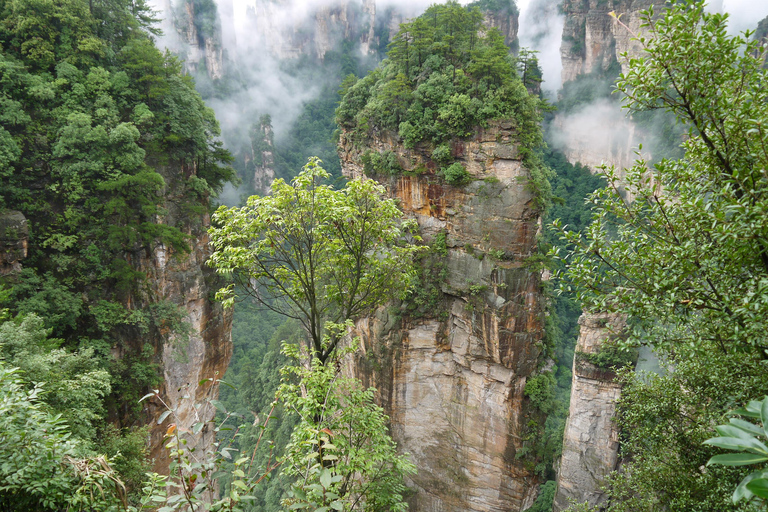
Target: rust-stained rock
[(188, 361), (452, 382), (591, 437)]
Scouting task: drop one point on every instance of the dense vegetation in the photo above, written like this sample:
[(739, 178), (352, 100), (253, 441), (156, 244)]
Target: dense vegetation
[(686, 262), (109, 153), (443, 77)]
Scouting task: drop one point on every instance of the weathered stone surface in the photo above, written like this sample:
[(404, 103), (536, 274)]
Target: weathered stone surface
[(187, 361), (14, 237), (593, 40), (453, 382), (591, 438), (264, 173), (194, 48)]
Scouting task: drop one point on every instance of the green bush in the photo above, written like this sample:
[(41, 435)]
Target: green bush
[(457, 175), (540, 389), (610, 356), (442, 153)]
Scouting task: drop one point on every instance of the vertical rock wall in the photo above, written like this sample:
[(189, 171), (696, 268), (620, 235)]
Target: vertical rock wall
[(591, 437), (593, 40), (199, 40), (262, 156), (188, 360), (452, 381)]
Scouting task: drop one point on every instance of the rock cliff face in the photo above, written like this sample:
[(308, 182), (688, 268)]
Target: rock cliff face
[(591, 438), (198, 36), (452, 381), (188, 360), (507, 23), (261, 157), (290, 31), (593, 40)]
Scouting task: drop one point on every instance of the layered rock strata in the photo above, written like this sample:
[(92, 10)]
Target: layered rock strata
[(591, 437), (452, 380)]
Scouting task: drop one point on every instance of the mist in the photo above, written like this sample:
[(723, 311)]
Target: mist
[(541, 29)]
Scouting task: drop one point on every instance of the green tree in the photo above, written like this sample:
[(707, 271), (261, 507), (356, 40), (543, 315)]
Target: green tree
[(340, 452), (43, 466), (315, 254), (680, 248)]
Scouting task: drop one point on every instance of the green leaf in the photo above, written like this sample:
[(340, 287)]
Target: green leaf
[(325, 478), (732, 443), (219, 406), (758, 487), (746, 426), (162, 417), (737, 459), (764, 416)]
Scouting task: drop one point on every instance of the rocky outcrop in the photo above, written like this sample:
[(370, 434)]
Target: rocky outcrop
[(591, 437), (507, 22), (193, 361), (452, 380), (593, 40), (260, 156), (14, 237), (288, 31), (199, 42), (190, 360)]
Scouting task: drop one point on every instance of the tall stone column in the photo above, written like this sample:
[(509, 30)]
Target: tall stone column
[(591, 438)]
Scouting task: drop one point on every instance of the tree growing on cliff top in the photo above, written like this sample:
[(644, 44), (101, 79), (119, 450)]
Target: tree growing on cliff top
[(687, 259), (451, 75)]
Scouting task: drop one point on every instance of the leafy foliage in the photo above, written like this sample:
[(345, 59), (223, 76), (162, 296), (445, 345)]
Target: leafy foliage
[(444, 76), (745, 436), (44, 468), (340, 451), (315, 254), (195, 476), (686, 258), (110, 154)]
